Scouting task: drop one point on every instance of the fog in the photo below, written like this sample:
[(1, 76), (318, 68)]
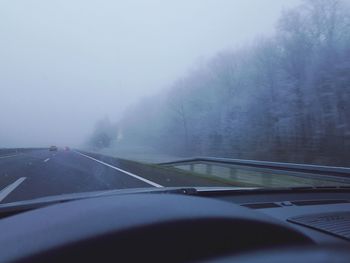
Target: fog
[(66, 64)]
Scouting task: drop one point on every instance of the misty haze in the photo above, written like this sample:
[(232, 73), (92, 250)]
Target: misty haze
[(101, 95), (67, 64)]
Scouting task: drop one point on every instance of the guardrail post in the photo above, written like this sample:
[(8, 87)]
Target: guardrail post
[(266, 180), (209, 169), (192, 167), (233, 174)]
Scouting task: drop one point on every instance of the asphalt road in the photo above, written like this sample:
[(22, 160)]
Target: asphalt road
[(39, 173)]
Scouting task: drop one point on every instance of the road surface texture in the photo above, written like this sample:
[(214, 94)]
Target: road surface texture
[(39, 173)]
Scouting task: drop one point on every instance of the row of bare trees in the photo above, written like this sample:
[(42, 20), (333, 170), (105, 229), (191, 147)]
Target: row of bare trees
[(285, 98)]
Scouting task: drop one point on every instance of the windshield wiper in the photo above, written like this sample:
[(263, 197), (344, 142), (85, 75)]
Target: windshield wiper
[(207, 191), (9, 209)]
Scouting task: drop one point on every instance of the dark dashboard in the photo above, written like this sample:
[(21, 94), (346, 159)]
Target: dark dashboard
[(183, 226), (332, 207)]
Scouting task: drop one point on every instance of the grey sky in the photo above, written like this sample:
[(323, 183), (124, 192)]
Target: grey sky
[(64, 64)]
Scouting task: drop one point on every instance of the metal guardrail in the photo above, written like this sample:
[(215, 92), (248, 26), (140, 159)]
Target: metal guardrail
[(290, 167), (10, 151)]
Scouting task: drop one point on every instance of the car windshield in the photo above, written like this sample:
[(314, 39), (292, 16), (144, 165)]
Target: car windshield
[(109, 95)]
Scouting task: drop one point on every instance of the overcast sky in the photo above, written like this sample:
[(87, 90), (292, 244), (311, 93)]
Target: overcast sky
[(64, 63)]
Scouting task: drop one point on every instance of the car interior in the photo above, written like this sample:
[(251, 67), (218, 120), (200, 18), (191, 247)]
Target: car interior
[(182, 225)]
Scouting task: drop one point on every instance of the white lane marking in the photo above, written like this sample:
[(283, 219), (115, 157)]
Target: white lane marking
[(8, 189), (123, 171), (7, 156), (48, 159)]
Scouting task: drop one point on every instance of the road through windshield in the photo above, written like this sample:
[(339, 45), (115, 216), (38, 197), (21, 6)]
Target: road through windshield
[(112, 95)]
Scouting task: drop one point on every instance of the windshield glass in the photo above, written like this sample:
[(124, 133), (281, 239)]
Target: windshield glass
[(102, 95)]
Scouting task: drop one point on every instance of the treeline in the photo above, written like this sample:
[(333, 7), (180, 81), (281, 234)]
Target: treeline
[(285, 98)]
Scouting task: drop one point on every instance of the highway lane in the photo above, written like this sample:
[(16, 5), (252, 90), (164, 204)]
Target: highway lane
[(40, 173)]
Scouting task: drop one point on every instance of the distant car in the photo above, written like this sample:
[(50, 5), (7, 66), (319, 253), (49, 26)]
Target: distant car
[(53, 148), (66, 148)]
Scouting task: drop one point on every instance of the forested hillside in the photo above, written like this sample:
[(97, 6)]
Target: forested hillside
[(282, 98)]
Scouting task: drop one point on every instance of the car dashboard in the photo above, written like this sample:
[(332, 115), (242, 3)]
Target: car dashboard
[(323, 216), (183, 225)]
